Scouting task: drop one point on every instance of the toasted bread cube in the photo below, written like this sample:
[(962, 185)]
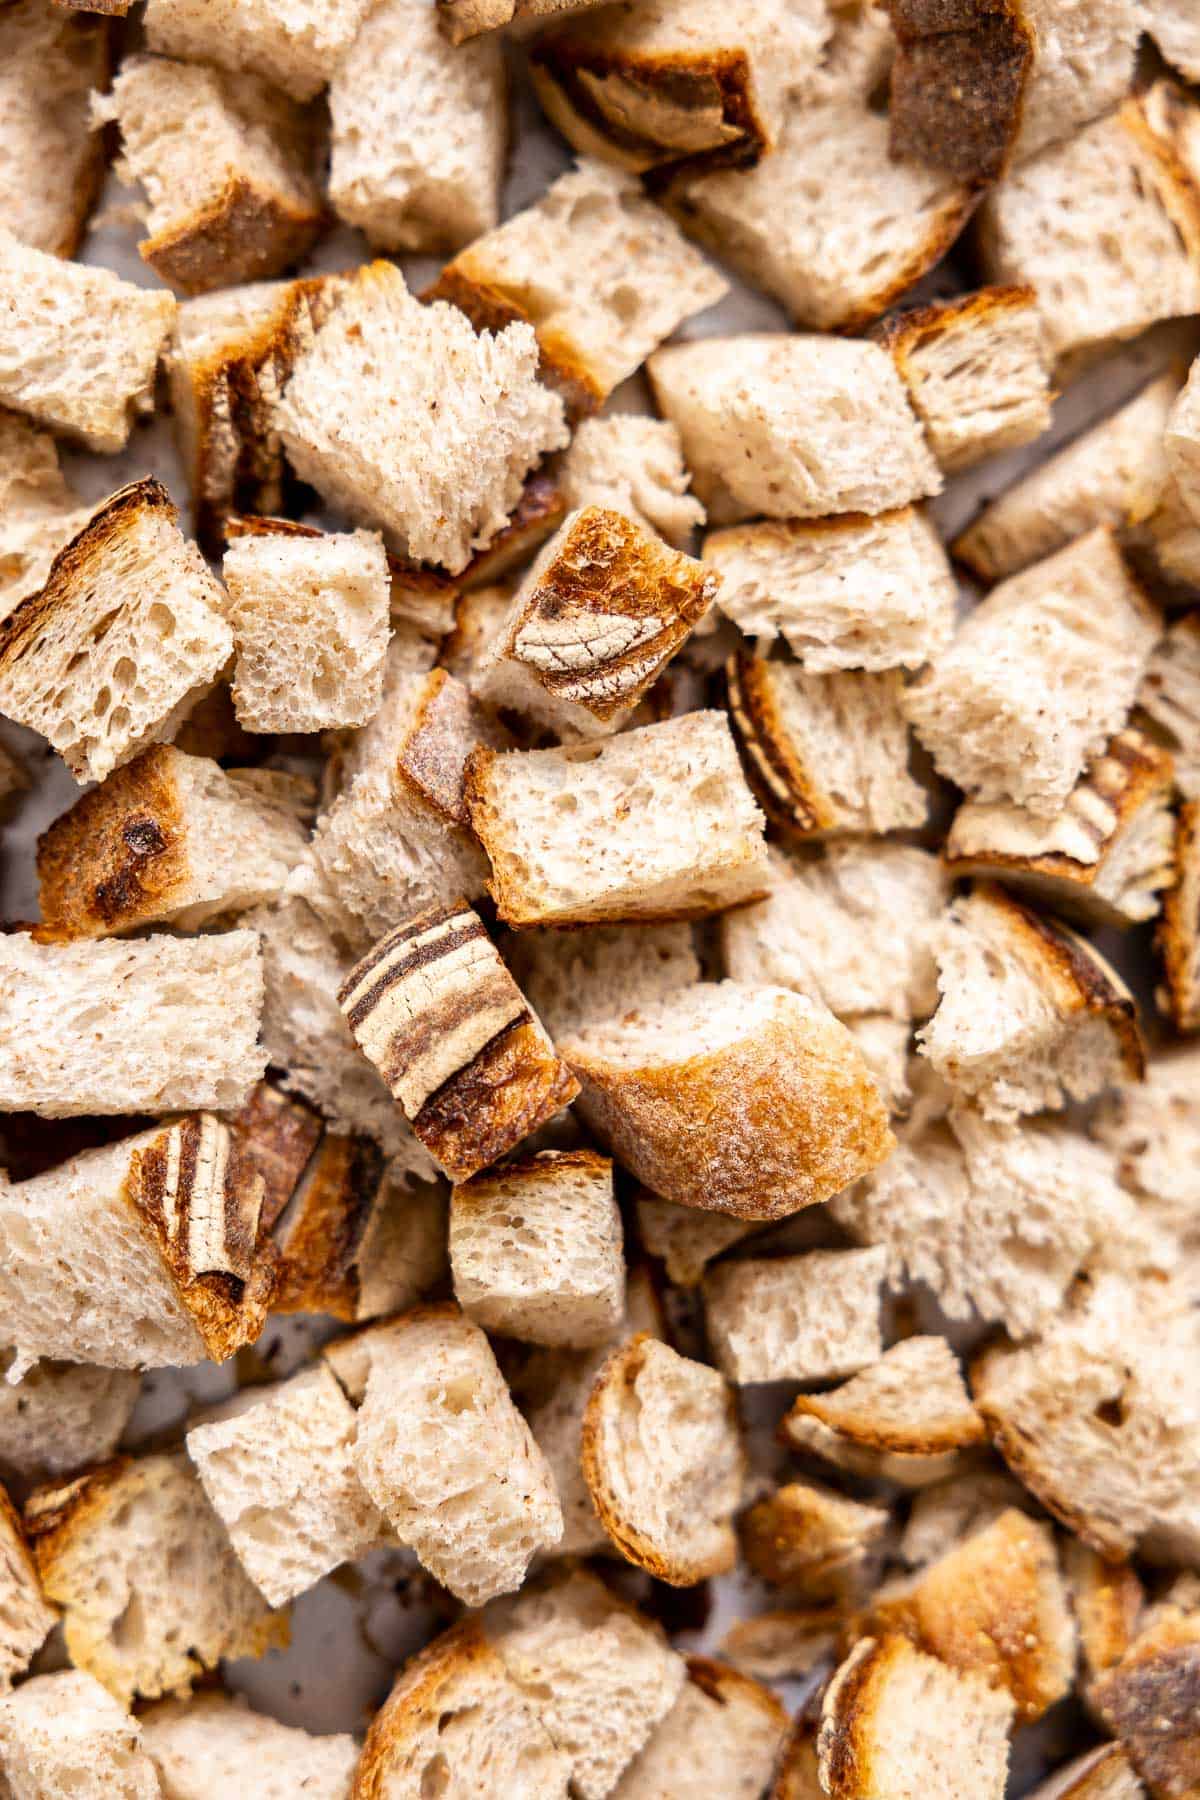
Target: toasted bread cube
[(436, 1422), (464, 19), (592, 626), (296, 50), (1153, 1129), (123, 639), (670, 1087), (663, 1459), (807, 1537), (792, 426), (598, 271), (60, 1416), (1038, 677), (633, 465), (279, 1473), (655, 824), (175, 1211), (1179, 930), (1101, 1774), (436, 1011), (39, 513), (1148, 1699), (1170, 693), (222, 161), (354, 413), (795, 1318), (573, 978), (203, 1747), (53, 160), (27, 1617), (685, 1238), (535, 1248), (723, 1722), (1105, 858), (63, 1732), (826, 754), (80, 346), (176, 1599), (845, 593)]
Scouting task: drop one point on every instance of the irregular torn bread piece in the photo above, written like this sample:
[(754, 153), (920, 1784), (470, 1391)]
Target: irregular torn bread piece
[(633, 465), (52, 162), (814, 1317), (63, 1733), (686, 1238), (1170, 694), (1101, 1774), (1151, 1699), (202, 1748), (776, 1646), (464, 19), (1179, 927), (1107, 1599), (295, 48), (725, 1722), (814, 1540)]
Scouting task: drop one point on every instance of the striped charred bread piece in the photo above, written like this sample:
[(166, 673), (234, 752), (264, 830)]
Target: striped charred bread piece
[(277, 1134), (1179, 928), (455, 1040)]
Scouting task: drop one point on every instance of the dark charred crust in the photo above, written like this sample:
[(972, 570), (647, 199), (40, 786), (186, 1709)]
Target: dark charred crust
[(783, 789), (240, 525), (540, 510), (511, 1087), (490, 306), (277, 1134), (55, 1507), (245, 234), (958, 84), (118, 856), (322, 1237), (1178, 935), (902, 333), (468, 929), (540, 1165)]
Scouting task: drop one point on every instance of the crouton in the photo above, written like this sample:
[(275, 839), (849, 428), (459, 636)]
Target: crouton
[(944, 1515), (552, 1389), (53, 160), (633, 465), (40, 513), (774, 1646), (574, 978), (1107, 1599), (1174, 28), (61, 1416), (795, 1318), (295, 48), (685, 1238), (203, 1747), (807, 1537), (1151, 1700), (1170, 694), (723, 1722), (63, 1732), (1179, 929), (1101, 1774)]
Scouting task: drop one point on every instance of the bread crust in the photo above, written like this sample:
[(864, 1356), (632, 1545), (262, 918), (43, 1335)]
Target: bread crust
[(322, 1238), (958, 84), (784, 788), (277, 1134), (245, 233), (857, 1425), (1158, 120), (491, 306), (1151, 1699), (1178, 937)]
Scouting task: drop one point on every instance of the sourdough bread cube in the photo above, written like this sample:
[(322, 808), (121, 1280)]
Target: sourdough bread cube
[(793, 426), (296, 47), (222, 161), (592, 626), (535, 1249), (419, 130), (63, 1734), (598, 271), (123, 639), (1038, 677), (1106, 856), (175, 1213), (655, 824), (39, 513), (175, 1599), (815, 1541), (1153, 1129), (1179, 928), (60, 1416), (796, 1318), (846, 593), (52, 163), (599, 1675), (572, 978), (684, 1238), (670, 1089), (723, 1721), (1170, 693), (441, 1018), (1049, 225), (168, 839), (354, 418), (80, 345), (202, 1749), (154, 1025), (436, 1423), (27, 1619), (279, 1473), (309, 618), (663, 1459), (633, 465), (825, 754), (1031, 1016)]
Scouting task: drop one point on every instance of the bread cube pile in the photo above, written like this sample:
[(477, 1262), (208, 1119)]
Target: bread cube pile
[(600, 980)]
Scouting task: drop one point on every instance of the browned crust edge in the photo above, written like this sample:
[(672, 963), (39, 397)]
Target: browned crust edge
[(245, 234), (958, 88), (1178, 935), (491, 306)]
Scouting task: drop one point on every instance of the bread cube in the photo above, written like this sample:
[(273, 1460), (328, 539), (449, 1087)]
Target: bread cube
[(732, 1726), (61, 1415), (1170, 693), (1147, 1698), (1179, 930), (808, 1538), (203, 1747), (552, 1389), (53, 161), (1101, 1774), (685, 1238), (463, 19), (633, 465), (63, 1733), (795, 1318), (296, 51), (1182, 444)]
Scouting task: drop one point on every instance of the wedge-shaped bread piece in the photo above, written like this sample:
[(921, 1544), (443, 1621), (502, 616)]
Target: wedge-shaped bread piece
[(1111, 474), (221, 160), (1031, 1016), (175, 1598), (1104, 858), (203, 1748), (655, 824), (123, 639), (154, 1025), (599, 1676), (358, 1240), (355, 415), (633, 465), (463, 19), (60, 1416), (80, 345), (723, 1722), (663, 1459), (1179, 929), (279, 1473), (1170, 693), (535, 1249), (142, 1254), (1150, 1701), (295, 48), (573, 978), (25, 1618), (810, 1538), (455, 1717), (593, 624), (684, 1237), (795, 1318), (792, 426), (996, 1606), (64, 1734), (1153, 1129), (1097, 1416), (826, 754), (1038, 677), (899, 1723), (39, 512), (743, 1100), (598, 271), (441, 1018), (677, 81), (846, 593), (53, 160), (168, 839), (437, 1423), (852, 927), (975, 371), (419, 128), (1049, 225), (309, 618), (995, 1218), (1101, 1774)]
